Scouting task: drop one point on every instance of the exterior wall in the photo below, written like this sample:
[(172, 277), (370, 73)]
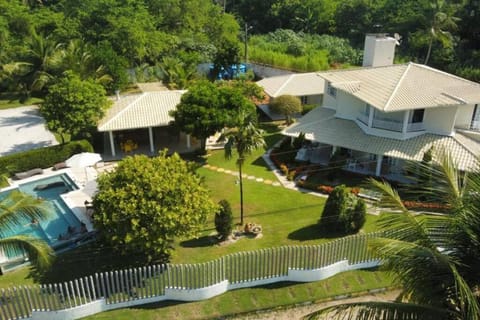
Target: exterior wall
[(348, 106), (315, 99), (328, 100), (440, 120), (264, 71), (464, 116), (379, 50)]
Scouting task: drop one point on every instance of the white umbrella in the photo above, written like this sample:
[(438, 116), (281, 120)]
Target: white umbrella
[(82, 160)]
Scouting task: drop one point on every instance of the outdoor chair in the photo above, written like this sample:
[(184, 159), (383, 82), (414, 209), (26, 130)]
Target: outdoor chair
[(27, 174)]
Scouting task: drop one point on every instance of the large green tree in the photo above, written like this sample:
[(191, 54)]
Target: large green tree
[(20, 209), (207, 108), (286, 105), (244, 138), (146, 203), (433, 257), (74, 106)]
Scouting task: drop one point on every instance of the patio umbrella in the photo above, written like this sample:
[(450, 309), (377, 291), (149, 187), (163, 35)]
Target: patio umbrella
[(82, 160)]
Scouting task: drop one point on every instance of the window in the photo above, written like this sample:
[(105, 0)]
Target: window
[(418, 115), (331, 90), (304, 99), (475, 123)]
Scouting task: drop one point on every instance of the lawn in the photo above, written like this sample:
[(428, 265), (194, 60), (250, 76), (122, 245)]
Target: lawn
[(9, 100), (258, 298)]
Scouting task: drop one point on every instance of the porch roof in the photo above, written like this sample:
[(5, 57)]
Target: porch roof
[(148, 109), (404, 87), (321, 125)]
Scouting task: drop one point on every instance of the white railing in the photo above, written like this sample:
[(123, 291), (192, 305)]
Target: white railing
[(418, 126)]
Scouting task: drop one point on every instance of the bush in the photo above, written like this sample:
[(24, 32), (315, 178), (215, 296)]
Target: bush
[(306, 108), (224, 219), (41, 157), (343, 212)]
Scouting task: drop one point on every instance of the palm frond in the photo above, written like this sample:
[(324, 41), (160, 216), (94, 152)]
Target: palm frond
[(379, 310), (37, 250), (390, 197)]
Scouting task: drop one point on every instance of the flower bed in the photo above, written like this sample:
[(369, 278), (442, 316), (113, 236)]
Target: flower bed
[(428, 206)]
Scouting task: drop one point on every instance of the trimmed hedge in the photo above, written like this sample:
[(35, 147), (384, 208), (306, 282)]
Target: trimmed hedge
[(42, 157)]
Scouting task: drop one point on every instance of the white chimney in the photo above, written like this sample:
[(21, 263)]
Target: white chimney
[(379, 50)]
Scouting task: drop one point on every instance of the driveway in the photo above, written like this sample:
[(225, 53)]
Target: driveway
[(22, 129)]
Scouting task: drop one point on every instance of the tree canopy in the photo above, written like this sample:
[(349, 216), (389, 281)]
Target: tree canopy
[(146, 203), (74, 106), (286, 105)]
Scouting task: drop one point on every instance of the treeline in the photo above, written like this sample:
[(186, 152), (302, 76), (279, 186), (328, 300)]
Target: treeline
[(101, 39), (443, 33)]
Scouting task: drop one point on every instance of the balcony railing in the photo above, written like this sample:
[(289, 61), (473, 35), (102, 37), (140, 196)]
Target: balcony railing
[(418, 126), (390, 125), (363, 118)]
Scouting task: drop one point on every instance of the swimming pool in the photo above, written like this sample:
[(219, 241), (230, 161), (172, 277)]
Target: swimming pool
[(60, 218)]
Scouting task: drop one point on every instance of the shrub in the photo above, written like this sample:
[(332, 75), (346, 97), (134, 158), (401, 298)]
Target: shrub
[(42, 157), (306, 108), (224, 219), (284, 169), (291, 175), (343, 212)]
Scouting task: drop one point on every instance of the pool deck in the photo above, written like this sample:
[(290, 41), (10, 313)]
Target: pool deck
[(84, 178)]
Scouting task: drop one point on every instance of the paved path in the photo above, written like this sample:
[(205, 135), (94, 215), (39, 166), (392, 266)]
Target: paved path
[(22, 129)]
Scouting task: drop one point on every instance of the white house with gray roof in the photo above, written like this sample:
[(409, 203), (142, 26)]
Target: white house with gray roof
[(389, 114)]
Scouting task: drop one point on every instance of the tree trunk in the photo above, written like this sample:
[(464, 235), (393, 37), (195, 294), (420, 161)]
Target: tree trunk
[(203, 145), (241, 192), (429, 51)]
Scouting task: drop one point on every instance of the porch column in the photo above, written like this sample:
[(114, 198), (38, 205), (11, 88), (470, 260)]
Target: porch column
[(112, 144), (150, 138), (189, 145), (334, 149), (378, 171), (405, 121), (371, 112)]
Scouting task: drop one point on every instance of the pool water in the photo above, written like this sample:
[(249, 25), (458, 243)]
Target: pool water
[(60, 218)]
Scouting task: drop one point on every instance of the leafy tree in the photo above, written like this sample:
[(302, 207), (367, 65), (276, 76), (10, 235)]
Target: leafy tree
[(207, 108), (342, 212), (224, 219), (176, 73), (433, 257), (74, 106), (287, 105), (144, 205), (112, 64), (244, 138), (19, 209)]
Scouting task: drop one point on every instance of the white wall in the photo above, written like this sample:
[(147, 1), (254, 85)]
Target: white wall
[(464, 116), (440, 120)]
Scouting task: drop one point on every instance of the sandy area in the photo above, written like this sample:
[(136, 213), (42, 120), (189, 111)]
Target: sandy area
[(22, 129)]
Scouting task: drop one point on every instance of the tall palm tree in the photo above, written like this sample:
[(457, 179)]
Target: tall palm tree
[(434, 257), (442, 22), (16, 209), (244, 138)]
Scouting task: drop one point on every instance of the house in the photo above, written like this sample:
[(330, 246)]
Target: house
[(309, 87), (141, 121), (382, 114)]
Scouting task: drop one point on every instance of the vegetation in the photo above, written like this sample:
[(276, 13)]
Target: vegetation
[(244, 138), (286, 105), (41, 157), (343, 212), (74, 106), (21, 209), (207, 108), (433, 257), (224, 219), (146, 203)]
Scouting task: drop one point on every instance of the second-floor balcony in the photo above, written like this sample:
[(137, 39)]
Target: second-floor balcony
[(390, 124)]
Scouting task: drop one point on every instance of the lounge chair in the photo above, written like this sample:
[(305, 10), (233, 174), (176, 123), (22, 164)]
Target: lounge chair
[(27, 174)]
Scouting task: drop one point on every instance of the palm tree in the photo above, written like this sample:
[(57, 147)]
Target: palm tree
[(16, 209), (244, 138), (441, 24), (434, 257)]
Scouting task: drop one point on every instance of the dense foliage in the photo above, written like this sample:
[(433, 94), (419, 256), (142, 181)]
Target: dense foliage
[(286, 105), (41, 157), (343, 212), (224, 219), (146, 203), (74, 106)]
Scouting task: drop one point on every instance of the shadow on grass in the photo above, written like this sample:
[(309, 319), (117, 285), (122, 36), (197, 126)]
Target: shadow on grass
[(313, 232), (162, 304), (205, 241)]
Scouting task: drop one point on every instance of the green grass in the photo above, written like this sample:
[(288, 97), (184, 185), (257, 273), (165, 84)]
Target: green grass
[(9, 100), (264, 297), (16, 278), (254, 164)]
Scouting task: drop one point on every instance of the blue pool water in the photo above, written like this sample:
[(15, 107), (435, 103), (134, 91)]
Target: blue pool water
[(60, 214)]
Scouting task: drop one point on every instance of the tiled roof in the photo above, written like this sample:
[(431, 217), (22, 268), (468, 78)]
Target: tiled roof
[(321, 125), (296, 84), (149, 109), (404, 86)]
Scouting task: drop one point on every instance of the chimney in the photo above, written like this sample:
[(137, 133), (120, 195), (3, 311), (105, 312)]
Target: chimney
[(117, 93), (379, 50)]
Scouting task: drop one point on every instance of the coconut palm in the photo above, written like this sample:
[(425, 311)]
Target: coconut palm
[(434, 257), (18, 209), (244, 138)]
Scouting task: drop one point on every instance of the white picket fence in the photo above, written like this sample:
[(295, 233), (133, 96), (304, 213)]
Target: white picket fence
[(185, 282)]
